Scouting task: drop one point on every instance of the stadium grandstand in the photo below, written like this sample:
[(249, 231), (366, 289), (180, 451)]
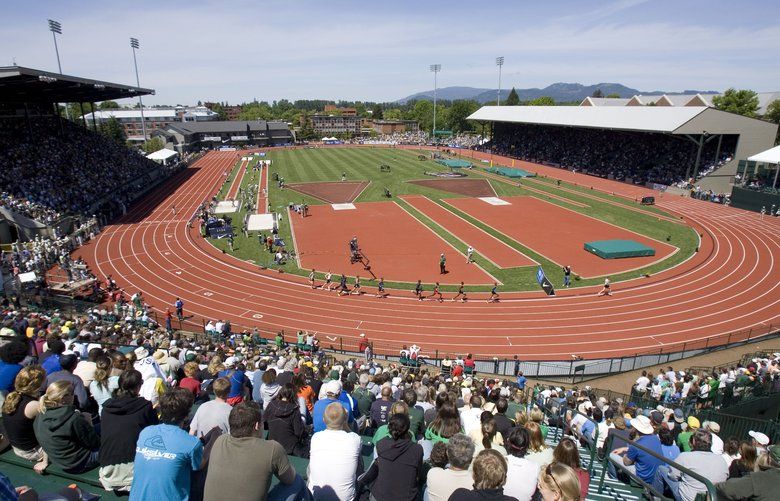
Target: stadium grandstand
[(186, 137), (646, 145), (115, 399)]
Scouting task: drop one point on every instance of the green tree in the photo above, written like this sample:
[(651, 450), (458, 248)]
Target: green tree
[(614, 95), (742, 102), (306, 131), (542, 101), (152, 145), (256, 111), (423, 113), (392, 114), (113, 129), (512, 99), (597, 93), (773, 114), (457, 117), (773, 111), (109, 105), (376, 112)]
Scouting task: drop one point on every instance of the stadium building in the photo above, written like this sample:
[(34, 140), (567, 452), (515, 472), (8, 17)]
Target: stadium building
[(155, 118), (336, 124), (185, 137), (654, 145)]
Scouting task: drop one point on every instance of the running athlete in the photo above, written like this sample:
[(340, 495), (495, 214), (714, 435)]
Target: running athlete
[(606, 291), (343, 289), (493, 294), (461, 294), (437, 292), (381, 288), (311, 279), (418, 290), (356, 288), (328, 278)]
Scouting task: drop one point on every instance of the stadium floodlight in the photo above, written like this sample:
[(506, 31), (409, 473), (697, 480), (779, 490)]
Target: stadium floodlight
[(135, 45), (499, 63), (56, 29), (435, 68)]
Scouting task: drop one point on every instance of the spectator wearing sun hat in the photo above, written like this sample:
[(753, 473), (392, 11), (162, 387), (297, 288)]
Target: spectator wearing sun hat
[(684, 438), (714, 429), (760, 441), (638, 461)]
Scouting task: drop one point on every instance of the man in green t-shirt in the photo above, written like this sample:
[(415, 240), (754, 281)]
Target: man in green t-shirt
[(684, 438), (244, 454)]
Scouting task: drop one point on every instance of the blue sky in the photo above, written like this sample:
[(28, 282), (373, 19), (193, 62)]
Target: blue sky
[(239, 50)]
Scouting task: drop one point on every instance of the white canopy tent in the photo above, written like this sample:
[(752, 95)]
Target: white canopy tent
[(770, 156), (162, 156)]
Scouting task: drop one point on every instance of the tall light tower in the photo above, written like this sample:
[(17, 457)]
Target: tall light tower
[(435, 68), (499, 63), (135, 45), (56, 29)]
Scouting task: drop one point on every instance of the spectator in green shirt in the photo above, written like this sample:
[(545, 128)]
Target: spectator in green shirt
[(684, 438)]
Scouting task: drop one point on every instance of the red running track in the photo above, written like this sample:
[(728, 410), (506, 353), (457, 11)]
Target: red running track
[(730, 284), (236, 184)]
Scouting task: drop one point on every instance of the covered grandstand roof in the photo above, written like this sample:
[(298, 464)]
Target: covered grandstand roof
[(226, 126), (770, 156), (668, 119), (26, 85)]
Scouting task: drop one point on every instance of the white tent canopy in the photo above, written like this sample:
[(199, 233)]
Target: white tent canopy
[(161, 155), (770, 156)]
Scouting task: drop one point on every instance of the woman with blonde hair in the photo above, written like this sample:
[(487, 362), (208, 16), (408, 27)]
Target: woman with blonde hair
[(19, 411), (538, 451), (558, 482), (66, 435), (537, 416), (103, 384)]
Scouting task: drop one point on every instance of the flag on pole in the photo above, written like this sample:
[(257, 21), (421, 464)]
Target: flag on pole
[(545, 284)]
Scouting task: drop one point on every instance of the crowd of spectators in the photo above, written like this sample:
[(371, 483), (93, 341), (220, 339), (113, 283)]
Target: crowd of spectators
[(622, 155), (161, 415), (41, 254), (661, 416), (27, 208), (56, 167)]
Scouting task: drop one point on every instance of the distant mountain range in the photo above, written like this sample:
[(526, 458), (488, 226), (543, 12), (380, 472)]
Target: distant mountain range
[(560, 92)]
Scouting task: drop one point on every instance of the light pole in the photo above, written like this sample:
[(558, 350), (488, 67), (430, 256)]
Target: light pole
[(135, 45), (56, 29), (435, 68), (499, 63)]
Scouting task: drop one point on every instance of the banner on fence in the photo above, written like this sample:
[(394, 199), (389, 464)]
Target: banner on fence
[(545, 284)]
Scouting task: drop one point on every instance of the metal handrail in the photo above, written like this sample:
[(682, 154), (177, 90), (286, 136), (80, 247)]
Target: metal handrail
[(591, 441), (607, 459)]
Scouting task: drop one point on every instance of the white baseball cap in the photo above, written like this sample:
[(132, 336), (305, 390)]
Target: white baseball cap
[(759, 437)]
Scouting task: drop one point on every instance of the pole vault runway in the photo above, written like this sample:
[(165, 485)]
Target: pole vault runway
[(731, 284)]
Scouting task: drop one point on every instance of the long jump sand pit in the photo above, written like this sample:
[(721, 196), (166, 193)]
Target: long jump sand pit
[(467, 187), (398, 247), (559, 234)]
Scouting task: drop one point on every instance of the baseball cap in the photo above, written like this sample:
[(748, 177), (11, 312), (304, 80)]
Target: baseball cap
[(333, 387), (759, 437), (678, 415), (693, 423)]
